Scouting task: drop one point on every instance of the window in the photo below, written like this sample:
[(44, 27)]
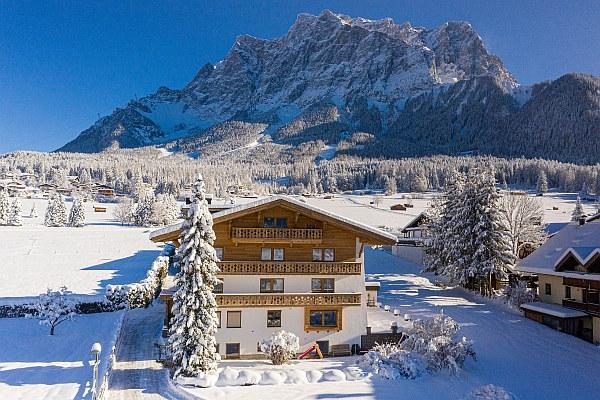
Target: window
[(269, 222), (232, 350), (218, 321), (317, 254), (329, 255), (323, 319), (281, 222), (323, 255), (217, 347), (234, 319), (278, 254), (567, 292), (274, 319), (271, 285), (548, 289), (218, 287), (593, 297), (323, 285), (265, 254), (219, 252)]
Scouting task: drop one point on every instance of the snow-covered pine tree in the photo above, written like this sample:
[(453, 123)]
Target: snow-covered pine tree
[(142, 215), (577, 211), (14, 214), (165, 210), (194, 322), (33, 212), (56, 212), (542, 183), (4, 207), (77, 214)]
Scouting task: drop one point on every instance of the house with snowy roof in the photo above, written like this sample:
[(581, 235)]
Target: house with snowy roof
[(410, 244), (568, 267), (285, 264)]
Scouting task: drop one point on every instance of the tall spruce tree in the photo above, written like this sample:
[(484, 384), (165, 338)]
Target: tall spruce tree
[(194, 322), (14, 214), (542, 183), (4, 207), (577, 211), (56, 212), (77, 214)]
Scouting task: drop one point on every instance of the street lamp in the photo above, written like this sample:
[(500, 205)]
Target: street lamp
[(95, 351)]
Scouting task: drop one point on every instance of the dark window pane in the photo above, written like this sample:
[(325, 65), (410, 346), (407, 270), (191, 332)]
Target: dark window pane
[(328, 285), (316, 285), (329, 255), (274, 319), (316, 318), (277, 285), (330, 318), (269, 222), (282, 223), (218, 287)]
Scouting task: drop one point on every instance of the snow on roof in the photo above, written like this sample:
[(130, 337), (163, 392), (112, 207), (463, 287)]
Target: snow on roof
[(414, 222), (555, 310), (583, 241), (272, 199)]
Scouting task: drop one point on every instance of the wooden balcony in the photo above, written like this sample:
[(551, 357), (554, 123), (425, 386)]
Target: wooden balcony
[(289, 268), (288, 299), (582, 283), (276, 235), (586, 307)]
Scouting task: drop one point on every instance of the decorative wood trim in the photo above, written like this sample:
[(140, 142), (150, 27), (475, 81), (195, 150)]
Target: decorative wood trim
[(308, 328), (315, 300), (275, 235), (289, 268)]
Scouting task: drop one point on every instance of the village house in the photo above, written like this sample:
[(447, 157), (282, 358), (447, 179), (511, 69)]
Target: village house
[(287, 265), (410, 245), (568, 268)]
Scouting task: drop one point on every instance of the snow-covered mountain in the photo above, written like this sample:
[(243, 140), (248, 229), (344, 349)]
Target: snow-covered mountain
[(357, 65), (415, 91)]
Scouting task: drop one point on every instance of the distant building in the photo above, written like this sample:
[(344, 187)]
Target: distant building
[(398, 207), (412, 239), (568, 268)]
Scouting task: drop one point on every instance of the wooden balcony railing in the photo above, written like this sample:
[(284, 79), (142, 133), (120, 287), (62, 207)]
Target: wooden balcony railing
[(289, 268), (288, 299), (586, 307), (582, 283), (276, 235)]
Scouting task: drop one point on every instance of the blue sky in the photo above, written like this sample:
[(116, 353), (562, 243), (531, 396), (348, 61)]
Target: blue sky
[(63, 63)]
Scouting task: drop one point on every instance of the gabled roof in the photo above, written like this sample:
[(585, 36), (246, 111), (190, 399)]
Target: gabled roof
[(415, 222), (367, 233), (582, 241)]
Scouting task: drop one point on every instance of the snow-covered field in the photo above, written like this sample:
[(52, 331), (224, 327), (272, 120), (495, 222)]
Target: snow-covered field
[(35, 365), (525, 358), (85, 259)]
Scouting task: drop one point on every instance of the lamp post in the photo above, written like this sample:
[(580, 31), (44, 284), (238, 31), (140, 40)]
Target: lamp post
[(95, 351)]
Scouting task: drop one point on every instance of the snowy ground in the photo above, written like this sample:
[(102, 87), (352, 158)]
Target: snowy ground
[(35, 365), (86, 259), (524, 357)]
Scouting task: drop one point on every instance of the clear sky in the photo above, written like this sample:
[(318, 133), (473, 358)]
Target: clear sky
[(64, 63)]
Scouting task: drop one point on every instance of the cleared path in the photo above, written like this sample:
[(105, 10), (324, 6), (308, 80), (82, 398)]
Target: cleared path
[(137, 374)]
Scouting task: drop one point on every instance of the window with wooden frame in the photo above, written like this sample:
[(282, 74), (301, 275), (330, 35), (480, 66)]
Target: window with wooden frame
[(219, 253), (271, 285), (324, 255), (567, 292), (323, 319), (232, 350), (281, 222), (265, 254), (278, 254), (548, 289), (274, 319), (269, 222), (322, 285), (218, 320), (234, 319)]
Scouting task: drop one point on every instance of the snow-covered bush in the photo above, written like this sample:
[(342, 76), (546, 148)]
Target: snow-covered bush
[(437, 342), (56, 212), (518, 293), (490, 392), (281, 347), (14, 214), (54, 307), (77, 214), (390, 361), (142, 214), (141, 294), (165, 210), (123, 212)]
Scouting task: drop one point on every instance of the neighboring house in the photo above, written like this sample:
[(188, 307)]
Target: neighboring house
[(568, 267), (13, 187), (413, 238), (287, 265), (104, 190)]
